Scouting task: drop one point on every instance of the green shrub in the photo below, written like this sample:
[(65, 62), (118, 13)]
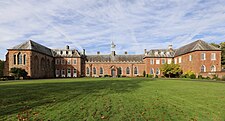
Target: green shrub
[(151, 76), (106, 75), (192, 76), (146, 75), (200, 77), (215, 77), (208, 78), (156, 76), (223, 78)]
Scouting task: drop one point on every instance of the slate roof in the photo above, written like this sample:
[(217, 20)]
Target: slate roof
[(116, 58), (160, 53), (194, 46), (31, 45)]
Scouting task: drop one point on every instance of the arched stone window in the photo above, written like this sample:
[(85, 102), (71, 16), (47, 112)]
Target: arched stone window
[(152, 71), (119, 70), (87, 71), (24, 59), (19, 58), (135, 70), (14, 58), (127, 70), (94, 70), (213, 68), (203, 68), (157, 71), (101, 70), (42, 64)]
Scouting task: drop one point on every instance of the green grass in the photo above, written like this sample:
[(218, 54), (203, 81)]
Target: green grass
[(112, 99)]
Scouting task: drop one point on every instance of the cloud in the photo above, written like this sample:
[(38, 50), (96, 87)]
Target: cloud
[(92, 24)]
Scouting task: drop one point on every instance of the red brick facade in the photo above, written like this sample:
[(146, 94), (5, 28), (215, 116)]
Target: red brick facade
[(71, 63)]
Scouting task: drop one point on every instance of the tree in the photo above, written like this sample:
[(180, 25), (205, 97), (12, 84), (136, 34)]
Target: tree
[(171, 70), (18, 72), (222, 47), (1, 68)]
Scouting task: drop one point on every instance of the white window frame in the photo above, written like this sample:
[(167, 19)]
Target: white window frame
[(158, 71), (175, 61), (204, 68), (169, 61), (157, 61), (151, 61), (213, 56), (164, 61), (190, 57), (214, 70), (75, 61), (204, 56), (179, 60)]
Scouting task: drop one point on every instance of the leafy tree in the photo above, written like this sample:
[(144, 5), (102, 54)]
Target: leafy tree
[(171, 70), (222, 47), (18, 72), (1, 68)]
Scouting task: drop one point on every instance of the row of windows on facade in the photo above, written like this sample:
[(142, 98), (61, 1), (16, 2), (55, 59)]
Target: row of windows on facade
[(203, 57), (19, 59), (212, 68), (63, 71), (63, 62), (120, 71), (65, 52)]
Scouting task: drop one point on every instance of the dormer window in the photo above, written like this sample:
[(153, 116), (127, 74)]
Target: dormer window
[(67, 52), (156, 52), (162, 53), (61, 52)]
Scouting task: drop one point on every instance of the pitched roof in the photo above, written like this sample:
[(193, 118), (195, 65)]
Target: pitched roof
[(194, 46), (31, 45), (116, 58), (160, 53)]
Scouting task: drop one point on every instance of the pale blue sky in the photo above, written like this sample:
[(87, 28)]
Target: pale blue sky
[(92, 24)]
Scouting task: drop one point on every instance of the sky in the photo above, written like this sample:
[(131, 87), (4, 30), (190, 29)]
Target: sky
[(133, 25)]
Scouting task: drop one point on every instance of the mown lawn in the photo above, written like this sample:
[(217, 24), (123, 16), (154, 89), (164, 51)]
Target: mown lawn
[(112, 99)]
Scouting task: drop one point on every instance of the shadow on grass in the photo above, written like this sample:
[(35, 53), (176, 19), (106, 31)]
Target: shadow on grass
[(19, 97)]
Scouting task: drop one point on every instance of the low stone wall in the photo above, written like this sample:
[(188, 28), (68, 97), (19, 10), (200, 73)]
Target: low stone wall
[(210, 74)]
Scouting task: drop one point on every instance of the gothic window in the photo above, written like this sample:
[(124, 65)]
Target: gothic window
[(94, 70), (213, 68), (119, 70), (101, 70), (152, 71), (14, 58), (127, 70), (19, 58), (157, 71), (88, 71), (135, 70), (24, 59), (203, 68)]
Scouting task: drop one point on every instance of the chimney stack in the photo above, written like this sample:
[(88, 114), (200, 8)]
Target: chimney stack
[(98, 52), (145, 51), (125, 52)]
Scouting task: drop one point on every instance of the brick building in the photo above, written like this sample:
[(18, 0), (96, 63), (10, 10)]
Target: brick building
[(41, 62)]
